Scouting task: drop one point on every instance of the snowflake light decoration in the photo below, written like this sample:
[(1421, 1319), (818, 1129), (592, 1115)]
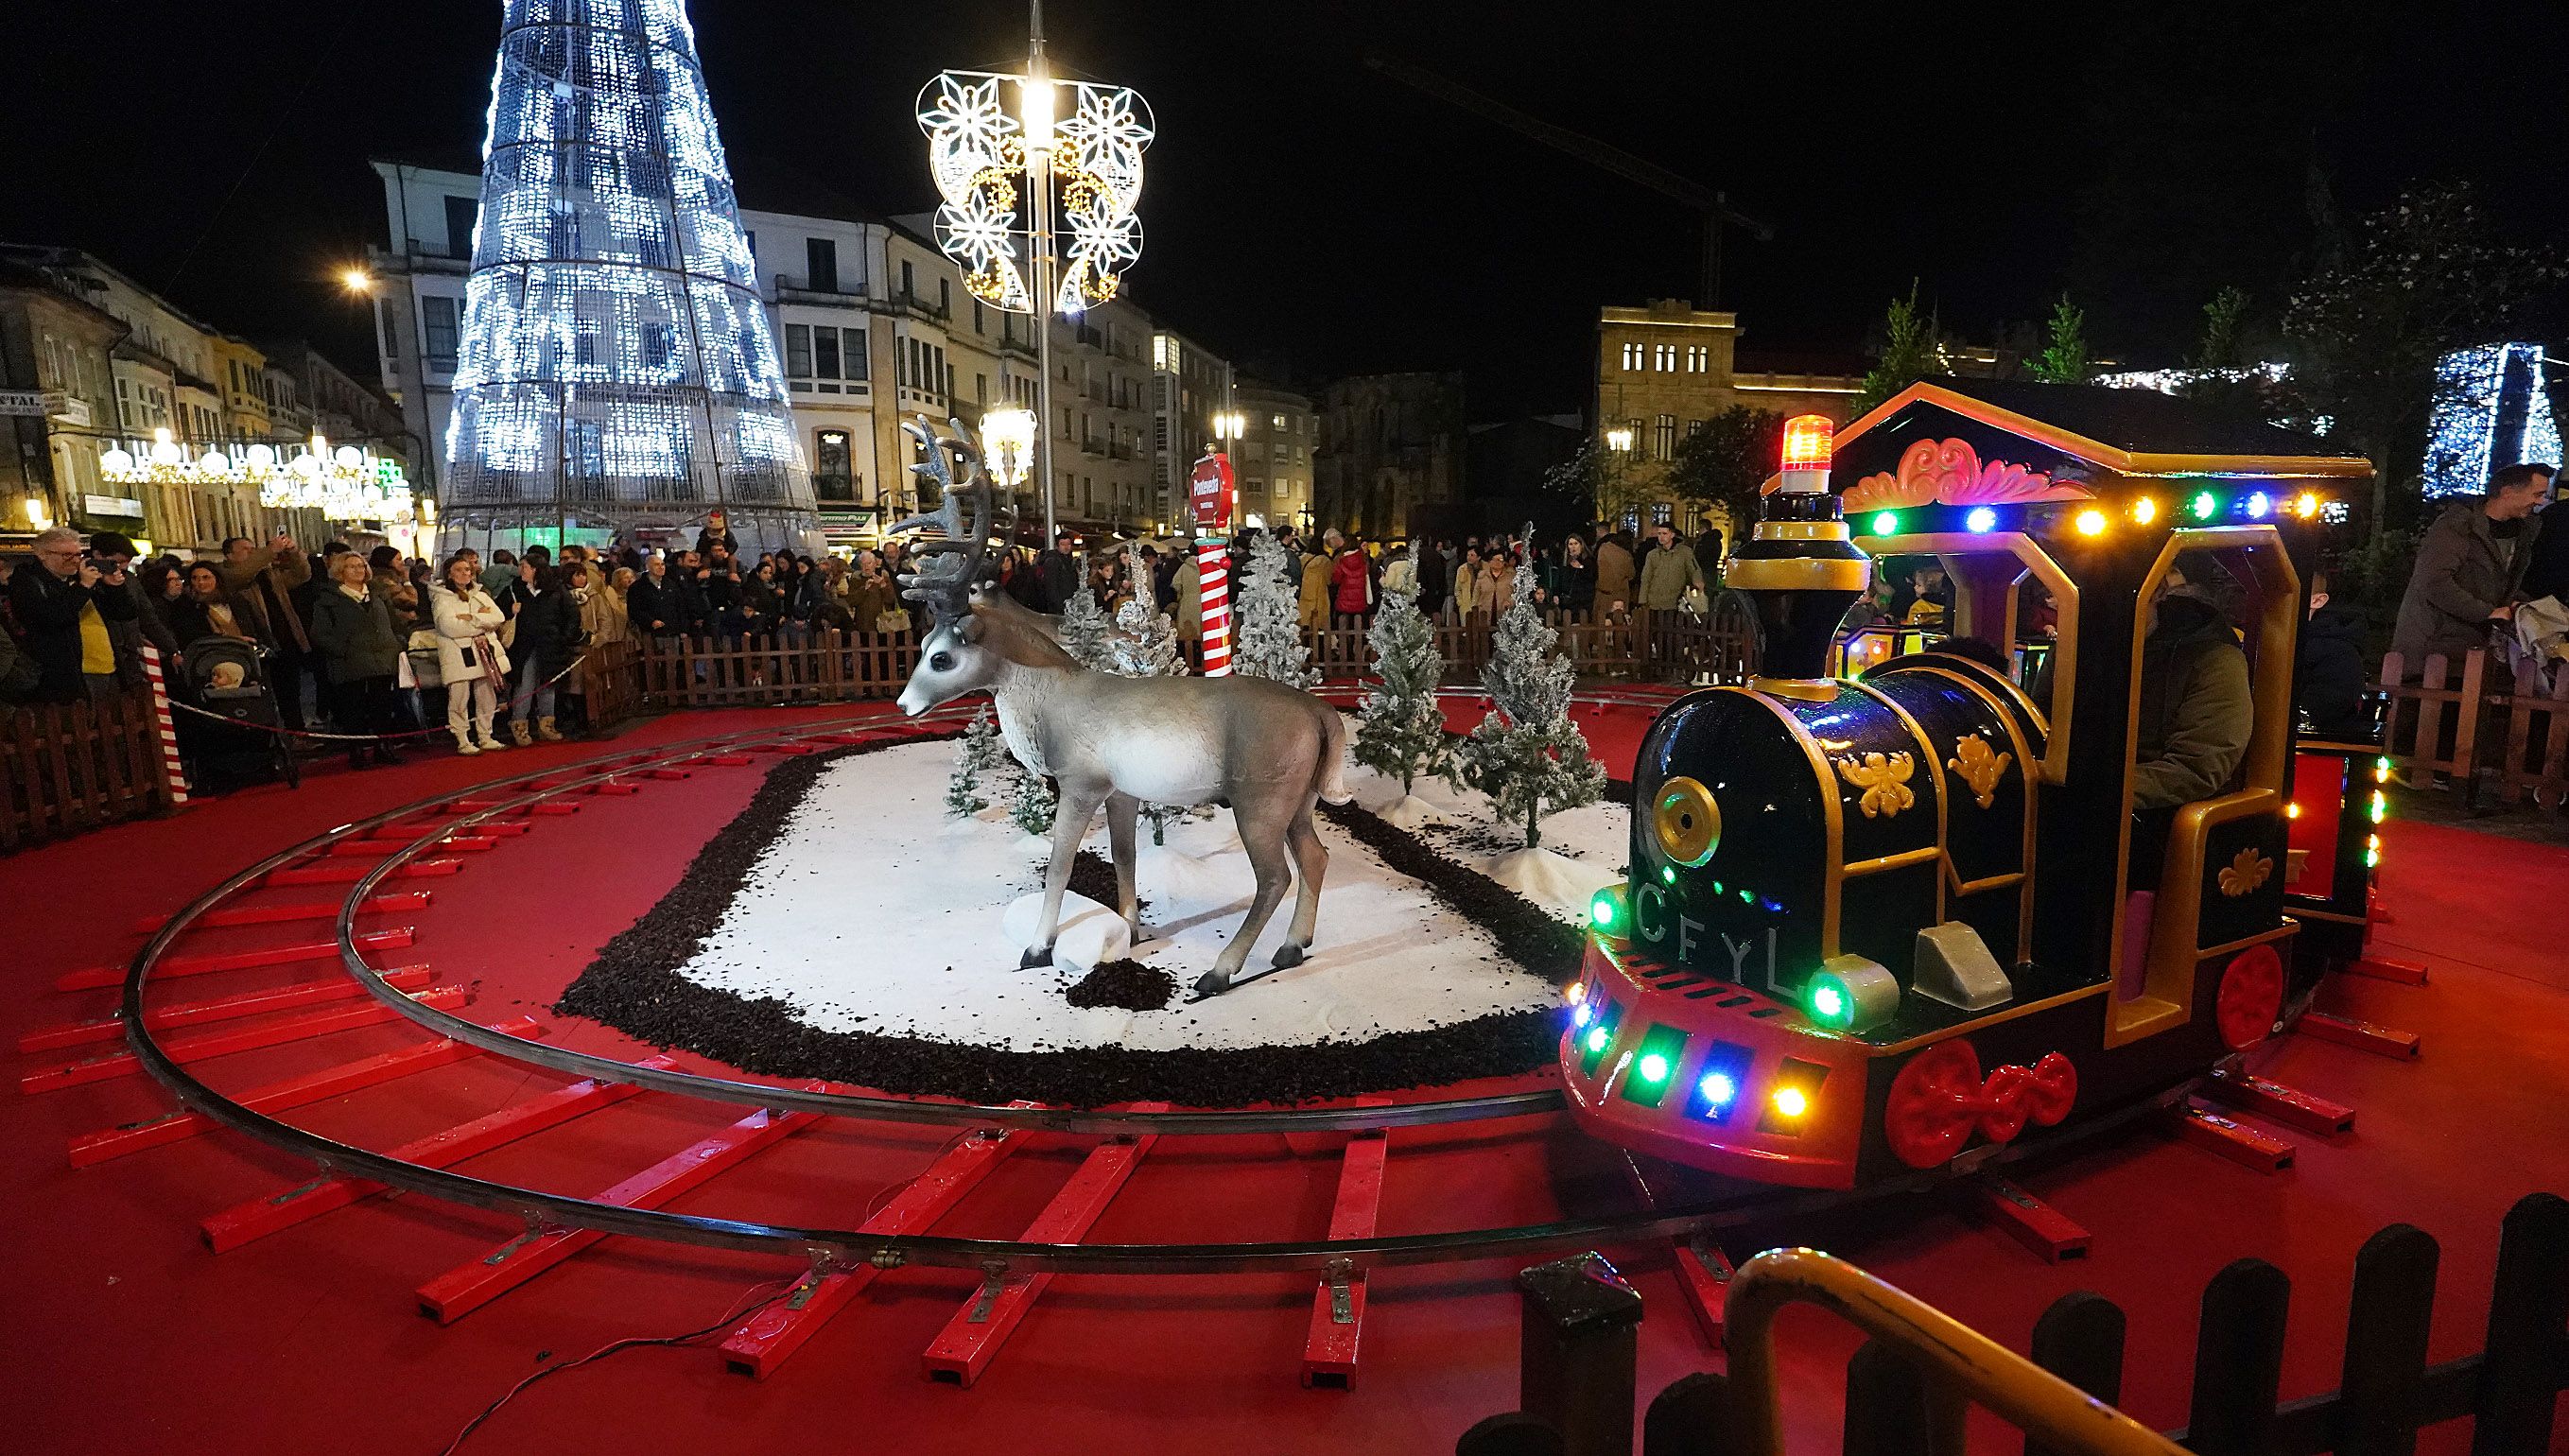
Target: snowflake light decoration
[(977, 153)]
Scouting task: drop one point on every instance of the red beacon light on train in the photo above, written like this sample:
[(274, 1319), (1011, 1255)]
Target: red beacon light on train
[(1808, 441)]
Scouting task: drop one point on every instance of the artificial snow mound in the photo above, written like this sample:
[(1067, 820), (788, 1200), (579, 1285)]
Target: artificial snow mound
[(1555, 882), (1409, 812), (1090, 933)]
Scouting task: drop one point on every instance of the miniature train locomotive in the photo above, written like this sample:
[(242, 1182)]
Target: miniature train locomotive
[(1872, 923)]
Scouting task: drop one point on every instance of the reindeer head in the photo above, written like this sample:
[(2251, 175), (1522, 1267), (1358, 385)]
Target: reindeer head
[(952, 661)]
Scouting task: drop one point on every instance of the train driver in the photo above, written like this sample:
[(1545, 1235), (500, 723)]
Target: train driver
[(2196, 711)]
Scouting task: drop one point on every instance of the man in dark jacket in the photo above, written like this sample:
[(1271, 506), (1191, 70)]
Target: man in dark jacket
[(64, 602), (1059, 567), (2328, 670), (650, 603), (2196, 715), (273, 583), (113, 550), (2470, 569), (2546, 572)]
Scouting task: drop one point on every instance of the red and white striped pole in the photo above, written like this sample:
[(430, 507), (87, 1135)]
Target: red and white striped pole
[(1210, 494), (172, 771)]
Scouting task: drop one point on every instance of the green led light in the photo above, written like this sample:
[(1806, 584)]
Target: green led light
[(1745, 898), (1717, 887), (1886, 523), (2380, 805), (1828, 1001), (1602, 910), (1597, 1038), (1667, 874), (1652, 1068), (2205, 503), (2372, 858)]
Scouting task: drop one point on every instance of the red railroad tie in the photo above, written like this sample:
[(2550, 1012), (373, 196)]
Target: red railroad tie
[(2404, 973), (2236, 1141), (2361, 1035), (487, 829), (765, 1340), (293, 1092), (963, 1350), (260, 1217), (170, 967), (269, 915), (1338, 1305), (1704, 1271), (453, 844), (225, 1008), (720, 761), (666, 775), (461, 1290), (616, 788), (110, 1065), (2278, 1103), (327, 873), (2028, 1220), (553, 807)]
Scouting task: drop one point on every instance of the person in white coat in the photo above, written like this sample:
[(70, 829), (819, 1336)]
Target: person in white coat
[(469, 657)]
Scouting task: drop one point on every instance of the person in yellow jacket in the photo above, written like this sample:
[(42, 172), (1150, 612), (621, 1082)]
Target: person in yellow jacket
[(1314, 604)]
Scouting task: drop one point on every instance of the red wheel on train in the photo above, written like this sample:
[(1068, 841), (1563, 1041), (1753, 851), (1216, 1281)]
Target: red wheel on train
[(1933, 1104), (2252, 998)]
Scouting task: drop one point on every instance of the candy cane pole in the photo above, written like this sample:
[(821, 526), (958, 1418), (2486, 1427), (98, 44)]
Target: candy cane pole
[(172, 771), (1213, 575)]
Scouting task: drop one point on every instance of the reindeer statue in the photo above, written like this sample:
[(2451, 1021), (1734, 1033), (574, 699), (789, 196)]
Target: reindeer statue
[(1268, 751)]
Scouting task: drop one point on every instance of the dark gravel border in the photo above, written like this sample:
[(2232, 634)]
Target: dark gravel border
[(634, 986)]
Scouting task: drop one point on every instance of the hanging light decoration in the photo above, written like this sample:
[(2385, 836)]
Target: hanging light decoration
[(979, 152), (345, 484)]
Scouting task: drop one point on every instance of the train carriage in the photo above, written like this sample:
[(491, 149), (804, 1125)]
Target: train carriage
[(1874, 919)]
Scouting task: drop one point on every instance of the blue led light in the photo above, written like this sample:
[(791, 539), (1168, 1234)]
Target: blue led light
[(2259, 506), (1982, 519), (1717, 1088), (1582, 1015)]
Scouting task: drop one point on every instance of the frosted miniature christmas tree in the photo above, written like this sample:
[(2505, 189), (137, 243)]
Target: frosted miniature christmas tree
[(1032, 804), (1144, 642), (1268, 641), (1526, 753), (1084, 630), (1400, 730), (976, 755)]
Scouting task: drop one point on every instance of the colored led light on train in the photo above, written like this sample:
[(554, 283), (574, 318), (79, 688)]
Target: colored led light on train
[(1886, 523), (1652, 1068), (1828, 1003), (2205, 503), (2260, 505), (2145, 511), (2091, 523), (1789, 1102), (2380, 809), (1718, 1089), (1982, 520)]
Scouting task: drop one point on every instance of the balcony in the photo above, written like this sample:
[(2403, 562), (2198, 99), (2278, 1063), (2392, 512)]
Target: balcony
[(917, 307), (797, 289)]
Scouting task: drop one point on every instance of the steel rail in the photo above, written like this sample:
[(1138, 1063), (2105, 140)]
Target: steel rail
[(841, 1248)]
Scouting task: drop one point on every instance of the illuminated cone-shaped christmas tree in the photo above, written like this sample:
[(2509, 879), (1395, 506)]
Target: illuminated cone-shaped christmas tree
[(617, 369)]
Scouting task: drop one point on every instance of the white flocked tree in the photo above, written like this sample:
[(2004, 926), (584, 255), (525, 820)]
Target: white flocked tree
[(1526, 753), (1400, 730), (1268, 640), (1145, 644), (1085, 630), (976, 755)]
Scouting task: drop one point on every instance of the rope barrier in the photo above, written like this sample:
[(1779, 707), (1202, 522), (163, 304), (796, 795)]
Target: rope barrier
[(497, 713)]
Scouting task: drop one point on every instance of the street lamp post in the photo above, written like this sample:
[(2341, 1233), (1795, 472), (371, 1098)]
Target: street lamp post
[(1618, 446)]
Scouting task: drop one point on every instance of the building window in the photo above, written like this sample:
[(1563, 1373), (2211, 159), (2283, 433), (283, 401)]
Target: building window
[(1699, 358), (977, 315), (462, 214), (853, 354), (980, 389), (437, 325), (830, 480), (1694, 428), (825, 353), (822, 255), (1633, 356), (1668, 358), (798, 352), (1662, 513), (908, 280), (1666, 438), (945, 297)]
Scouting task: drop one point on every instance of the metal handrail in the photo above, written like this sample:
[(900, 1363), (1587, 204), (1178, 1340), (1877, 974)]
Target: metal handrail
[(1956, 1361)]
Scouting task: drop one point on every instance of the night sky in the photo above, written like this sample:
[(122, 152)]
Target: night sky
[(1312, 217)]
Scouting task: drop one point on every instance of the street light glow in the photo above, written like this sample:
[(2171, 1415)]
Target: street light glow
[(356, 280)]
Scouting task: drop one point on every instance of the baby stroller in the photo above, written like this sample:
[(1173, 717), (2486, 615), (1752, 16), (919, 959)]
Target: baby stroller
[(230, 677)]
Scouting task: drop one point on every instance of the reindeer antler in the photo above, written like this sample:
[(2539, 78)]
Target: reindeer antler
[(965, 512)]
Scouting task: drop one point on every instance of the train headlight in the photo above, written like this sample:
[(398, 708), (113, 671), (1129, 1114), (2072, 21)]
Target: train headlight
[(1851, 994), (1685, 821), (1609, 911)]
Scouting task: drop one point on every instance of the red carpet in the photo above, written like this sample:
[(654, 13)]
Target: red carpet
[(131, 1337)]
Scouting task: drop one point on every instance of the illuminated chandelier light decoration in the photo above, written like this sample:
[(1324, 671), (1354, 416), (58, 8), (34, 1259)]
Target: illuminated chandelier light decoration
[(978, 154), (2491, 410), (343, 483), (616, 367)]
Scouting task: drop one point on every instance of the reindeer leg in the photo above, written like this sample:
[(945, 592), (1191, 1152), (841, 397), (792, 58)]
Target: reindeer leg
[(1121, 810), (1070, 820), (1264, 839), (1310, 865)]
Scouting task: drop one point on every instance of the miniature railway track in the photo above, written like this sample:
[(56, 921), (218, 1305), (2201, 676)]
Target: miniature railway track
[(377, 859)]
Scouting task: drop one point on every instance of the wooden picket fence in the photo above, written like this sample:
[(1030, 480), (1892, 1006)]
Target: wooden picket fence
[(69, 767), (2460, 726), (1902, 1398), (837, 666)]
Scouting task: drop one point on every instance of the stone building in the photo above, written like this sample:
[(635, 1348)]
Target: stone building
[(1390, 447)]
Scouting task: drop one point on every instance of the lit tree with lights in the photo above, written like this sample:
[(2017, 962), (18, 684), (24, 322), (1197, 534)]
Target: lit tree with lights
[(1400, 731), (1270, 643), (977, 754), (1526, 754)]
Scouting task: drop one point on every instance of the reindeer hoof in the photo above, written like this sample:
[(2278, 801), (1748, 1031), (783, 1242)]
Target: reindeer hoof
[(1039, 955), (1212, 983), (1288, 954)]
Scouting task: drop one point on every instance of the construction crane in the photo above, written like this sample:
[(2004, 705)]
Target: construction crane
[(1715, 206)]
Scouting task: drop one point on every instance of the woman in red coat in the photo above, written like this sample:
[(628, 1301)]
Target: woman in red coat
[(1351, 583)]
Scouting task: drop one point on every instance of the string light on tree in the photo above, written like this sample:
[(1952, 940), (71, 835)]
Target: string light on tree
[(2491, 410)]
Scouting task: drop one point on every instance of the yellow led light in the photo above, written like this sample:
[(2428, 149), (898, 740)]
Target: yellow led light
[(1789, 1102), (2291, 811), (2091, 523), (2306, 505), (2145, 511), (1576, 993)]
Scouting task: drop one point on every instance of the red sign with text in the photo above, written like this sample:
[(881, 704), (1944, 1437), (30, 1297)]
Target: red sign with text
[(1212, 492)]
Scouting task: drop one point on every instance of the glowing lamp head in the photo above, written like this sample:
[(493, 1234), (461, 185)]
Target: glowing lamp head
[(1790, 1102), (1981, 520), (1008, 437), (1035, 111), (1652, 1068), (356, 280), (1717, 1088), (1828, 1003), (2090, 522), (1808, 442), (2306, 505)]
